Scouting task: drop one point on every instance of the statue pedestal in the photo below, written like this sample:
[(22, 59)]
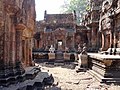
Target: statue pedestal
[(66, 56), (51, 56), (59, 56), (83, 60), (106, 68)]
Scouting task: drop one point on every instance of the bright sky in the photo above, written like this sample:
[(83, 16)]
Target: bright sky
[(52, 7)]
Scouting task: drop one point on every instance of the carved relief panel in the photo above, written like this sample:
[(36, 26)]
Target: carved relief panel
[(118, 3), (107, 24), (106, 5)]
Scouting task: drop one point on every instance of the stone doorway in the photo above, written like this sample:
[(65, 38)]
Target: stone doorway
[(60, 34), (59, 45)]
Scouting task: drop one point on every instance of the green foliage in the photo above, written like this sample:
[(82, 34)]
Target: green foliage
[(79, 6)]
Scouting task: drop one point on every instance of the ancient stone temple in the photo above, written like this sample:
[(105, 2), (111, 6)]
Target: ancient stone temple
[(61, 31), (92, 21), (109, 24), (81, 36), (17, 21), (105, 65), (57, 30)]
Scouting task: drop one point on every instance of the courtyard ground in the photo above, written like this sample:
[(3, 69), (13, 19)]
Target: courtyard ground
[(69, 79), (66, 78)]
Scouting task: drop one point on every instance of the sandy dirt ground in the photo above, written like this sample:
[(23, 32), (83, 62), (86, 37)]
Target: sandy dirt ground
[(69, 79)]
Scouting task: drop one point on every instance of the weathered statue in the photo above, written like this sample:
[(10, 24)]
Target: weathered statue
[(52, 49), (79, 49), (84, 51), (66, 49), (83, 57)]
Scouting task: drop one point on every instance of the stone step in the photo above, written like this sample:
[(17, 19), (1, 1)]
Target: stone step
[(41, 80), (102, 79), (96, 75), (79, 69), (59, 61), (58, 64), (31, 72)]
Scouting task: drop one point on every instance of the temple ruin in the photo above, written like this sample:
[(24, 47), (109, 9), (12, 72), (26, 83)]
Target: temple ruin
[(105, 64), (99, 30), (59, 30), (17, 23), (59, 39)]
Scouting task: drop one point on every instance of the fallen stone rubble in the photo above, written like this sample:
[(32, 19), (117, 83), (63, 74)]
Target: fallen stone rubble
[(69, 79), (35, 80)]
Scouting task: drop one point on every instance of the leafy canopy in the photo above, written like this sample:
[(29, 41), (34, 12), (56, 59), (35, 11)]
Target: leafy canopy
[(79, 6)]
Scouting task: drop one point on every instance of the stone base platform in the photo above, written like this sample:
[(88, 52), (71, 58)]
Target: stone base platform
[(106, 68), (55, 57), (103, 79)]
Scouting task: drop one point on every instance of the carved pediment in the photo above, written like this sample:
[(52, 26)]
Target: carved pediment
[(60, 32)]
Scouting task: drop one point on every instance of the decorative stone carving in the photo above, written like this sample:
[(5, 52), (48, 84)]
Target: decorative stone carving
[(14, 51), (1, 22), (79, 49), (118, 3), (107, 24), (57, 28), (106, 5), (52, 49), (20, 26), (11, 9)]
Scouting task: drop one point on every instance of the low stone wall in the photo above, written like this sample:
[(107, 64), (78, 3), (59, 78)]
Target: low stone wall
[(66, 57)]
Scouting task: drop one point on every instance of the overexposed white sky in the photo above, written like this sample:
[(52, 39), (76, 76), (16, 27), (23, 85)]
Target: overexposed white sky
[(52, 7)]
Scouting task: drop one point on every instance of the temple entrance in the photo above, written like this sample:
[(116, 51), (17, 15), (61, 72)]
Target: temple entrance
[(60, 39), (59, 45)]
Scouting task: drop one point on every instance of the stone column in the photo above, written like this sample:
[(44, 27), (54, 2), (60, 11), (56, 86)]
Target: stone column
[(19, 55), (30, 52), (24, 50), (94, 37), (73, 41), (11, 70), (12, 51), (103, 42), (9, 48), (65, 41), (27, 51), (89, 38), (111, 41)]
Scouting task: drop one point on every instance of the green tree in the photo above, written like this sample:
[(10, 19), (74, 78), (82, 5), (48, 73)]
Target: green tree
[(79, 6)]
